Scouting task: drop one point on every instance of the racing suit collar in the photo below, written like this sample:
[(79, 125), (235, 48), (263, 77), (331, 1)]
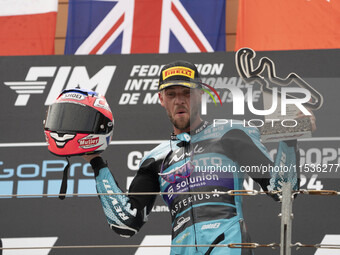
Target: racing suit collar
[(200, 128)]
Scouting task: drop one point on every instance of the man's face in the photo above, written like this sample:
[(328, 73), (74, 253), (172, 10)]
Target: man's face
[(182, 105)]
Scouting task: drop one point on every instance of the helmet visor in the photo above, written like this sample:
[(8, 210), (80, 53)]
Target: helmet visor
[(71, 117)]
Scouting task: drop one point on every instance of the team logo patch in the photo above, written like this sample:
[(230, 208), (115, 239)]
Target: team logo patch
[(181, 70), (88, 142), (102, 104), (75, 96), (181, 221), (211, 226)]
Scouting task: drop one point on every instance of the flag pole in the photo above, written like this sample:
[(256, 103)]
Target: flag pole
[(286, 219)]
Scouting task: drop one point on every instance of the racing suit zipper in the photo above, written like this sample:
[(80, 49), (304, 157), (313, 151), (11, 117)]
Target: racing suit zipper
[(193, 217), (193, 220)]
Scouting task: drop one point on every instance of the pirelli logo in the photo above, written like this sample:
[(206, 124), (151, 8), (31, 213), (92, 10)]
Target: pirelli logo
[(181, 70)]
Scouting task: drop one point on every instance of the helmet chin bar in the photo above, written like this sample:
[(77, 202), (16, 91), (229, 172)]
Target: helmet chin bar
[(61, 138)]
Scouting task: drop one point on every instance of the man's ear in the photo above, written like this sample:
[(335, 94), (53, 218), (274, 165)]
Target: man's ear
[(160, 96)]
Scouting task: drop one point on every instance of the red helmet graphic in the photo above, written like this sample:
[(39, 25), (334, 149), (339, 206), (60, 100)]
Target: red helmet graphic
[(79, 122)]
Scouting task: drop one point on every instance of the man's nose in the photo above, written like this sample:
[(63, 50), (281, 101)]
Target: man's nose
[(180, 99)]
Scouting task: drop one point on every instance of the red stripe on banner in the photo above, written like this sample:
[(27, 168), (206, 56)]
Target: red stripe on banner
[(146, 26), (28, 34), (188, 28), (108, 35)]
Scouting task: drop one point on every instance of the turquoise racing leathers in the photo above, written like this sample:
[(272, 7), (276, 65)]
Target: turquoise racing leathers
[(209, 159)]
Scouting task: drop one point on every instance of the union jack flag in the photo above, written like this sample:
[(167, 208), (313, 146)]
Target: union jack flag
[(145, 26)]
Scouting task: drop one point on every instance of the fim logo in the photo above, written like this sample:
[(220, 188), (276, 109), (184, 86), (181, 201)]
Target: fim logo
[(63, 76), (31, 85)]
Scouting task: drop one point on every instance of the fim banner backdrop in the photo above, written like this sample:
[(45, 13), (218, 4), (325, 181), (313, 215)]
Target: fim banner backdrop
[(129, 82)]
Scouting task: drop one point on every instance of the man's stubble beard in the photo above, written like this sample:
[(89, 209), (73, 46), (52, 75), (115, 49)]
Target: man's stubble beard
[(184, 125)]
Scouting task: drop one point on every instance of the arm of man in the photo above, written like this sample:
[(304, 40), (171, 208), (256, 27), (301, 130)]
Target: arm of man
[(253, 156), (125, 214)]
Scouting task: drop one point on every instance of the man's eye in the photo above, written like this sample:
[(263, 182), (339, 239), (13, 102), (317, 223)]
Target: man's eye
[(170, 94), (189, 93)]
